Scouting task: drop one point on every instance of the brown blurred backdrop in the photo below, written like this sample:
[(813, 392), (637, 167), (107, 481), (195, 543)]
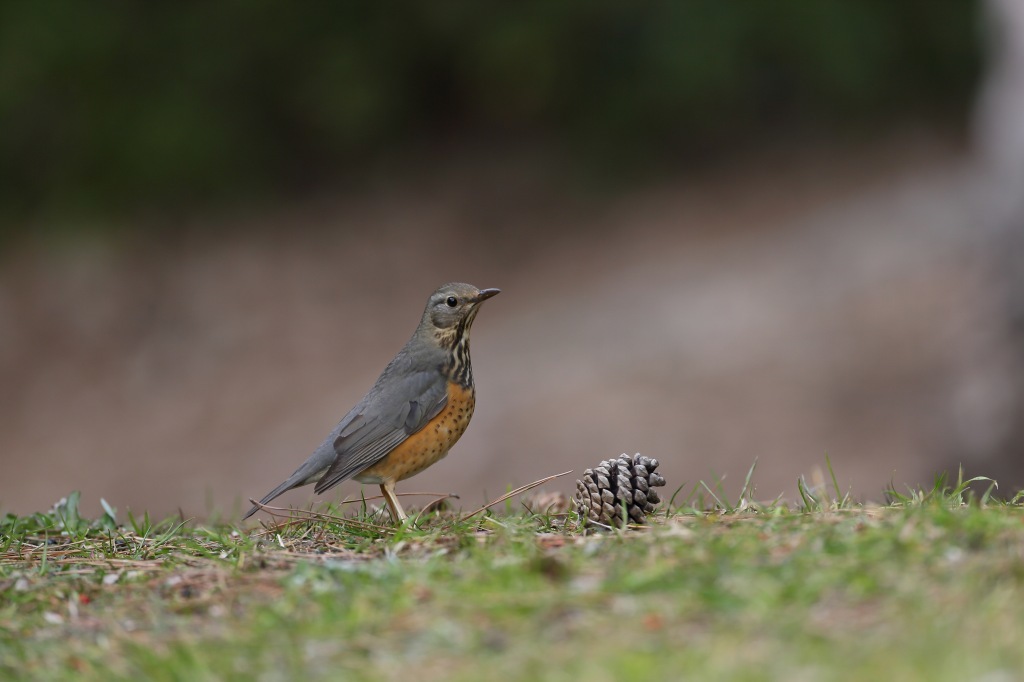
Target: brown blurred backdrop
[(723, 233)]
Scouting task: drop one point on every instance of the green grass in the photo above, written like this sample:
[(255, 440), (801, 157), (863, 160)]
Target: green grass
[(927, 587)]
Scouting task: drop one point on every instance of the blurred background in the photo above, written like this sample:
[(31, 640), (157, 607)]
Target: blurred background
[(725, 232)]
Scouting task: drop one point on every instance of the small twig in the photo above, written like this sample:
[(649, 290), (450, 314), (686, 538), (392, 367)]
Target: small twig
[(598, 523), (435, 503), (441, 495), (381, 497), (310, 516), (292, 511), (513, 493)]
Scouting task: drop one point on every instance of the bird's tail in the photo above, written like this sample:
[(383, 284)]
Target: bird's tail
[(276, 492), (301, 477)]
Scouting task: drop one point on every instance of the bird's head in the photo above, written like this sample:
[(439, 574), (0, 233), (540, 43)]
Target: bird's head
[(453, 307)]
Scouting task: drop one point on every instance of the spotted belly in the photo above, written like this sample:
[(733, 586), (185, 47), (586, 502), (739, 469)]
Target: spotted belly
[(429, 444)]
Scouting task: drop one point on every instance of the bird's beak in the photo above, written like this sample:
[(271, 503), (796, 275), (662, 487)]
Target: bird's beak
[(486, 294)]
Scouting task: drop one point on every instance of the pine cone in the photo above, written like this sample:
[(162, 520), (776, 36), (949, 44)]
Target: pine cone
[(616, 483)]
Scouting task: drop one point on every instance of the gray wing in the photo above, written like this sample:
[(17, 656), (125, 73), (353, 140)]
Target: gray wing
[(386, 419), (394, 409)]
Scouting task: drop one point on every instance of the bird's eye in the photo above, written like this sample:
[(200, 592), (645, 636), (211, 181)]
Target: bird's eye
[(452, 301)]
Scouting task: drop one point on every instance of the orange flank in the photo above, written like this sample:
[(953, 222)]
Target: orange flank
[(429, 444)]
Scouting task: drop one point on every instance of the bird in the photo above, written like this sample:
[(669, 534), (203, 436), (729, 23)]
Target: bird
[(415, 412)]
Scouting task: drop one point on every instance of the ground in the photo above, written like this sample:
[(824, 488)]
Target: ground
[(926, 587)]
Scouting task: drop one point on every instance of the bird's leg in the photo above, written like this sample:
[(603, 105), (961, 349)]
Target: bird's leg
[(398, 515)]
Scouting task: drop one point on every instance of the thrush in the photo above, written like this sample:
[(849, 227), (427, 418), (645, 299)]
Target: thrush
[(416, 411)]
